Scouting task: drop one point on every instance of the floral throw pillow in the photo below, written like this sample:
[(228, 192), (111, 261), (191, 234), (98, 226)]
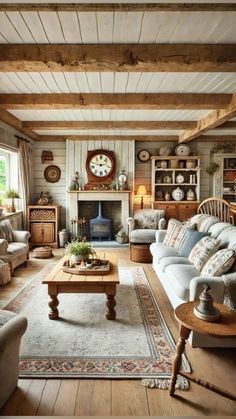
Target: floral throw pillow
[(202, 251), (176, 233), (219, 263)]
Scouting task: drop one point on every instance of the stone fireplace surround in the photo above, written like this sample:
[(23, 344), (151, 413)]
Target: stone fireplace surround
[(75, 197)]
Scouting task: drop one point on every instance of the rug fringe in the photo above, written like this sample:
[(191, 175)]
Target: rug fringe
[(164, 383)]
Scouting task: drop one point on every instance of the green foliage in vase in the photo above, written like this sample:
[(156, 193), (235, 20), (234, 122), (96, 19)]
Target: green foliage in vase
[(11, 193), (79, 248)]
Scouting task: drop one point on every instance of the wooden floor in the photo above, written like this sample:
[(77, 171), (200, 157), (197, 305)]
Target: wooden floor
[(87, 397)]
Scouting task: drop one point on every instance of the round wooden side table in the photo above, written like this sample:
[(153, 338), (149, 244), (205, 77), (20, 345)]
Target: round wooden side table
[(224, 328)]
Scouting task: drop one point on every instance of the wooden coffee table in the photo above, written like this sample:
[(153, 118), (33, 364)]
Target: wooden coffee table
[(60, 282), (224, 328)]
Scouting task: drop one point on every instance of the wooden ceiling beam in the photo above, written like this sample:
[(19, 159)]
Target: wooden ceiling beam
[(148, 125), (210, 121), (118, 57), (114, 101), (142, 138), (117, 7), (14, 122)]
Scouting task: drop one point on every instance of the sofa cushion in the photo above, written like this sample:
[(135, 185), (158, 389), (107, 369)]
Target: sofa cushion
[(199, 219), (176, 233), (16, 248), (202, 251), (160, 250), (219, 263), (228, 235), (191, 238), (207, 222), (173, 260), (143, 236), (217, 228), (180, 277), (148, 218)]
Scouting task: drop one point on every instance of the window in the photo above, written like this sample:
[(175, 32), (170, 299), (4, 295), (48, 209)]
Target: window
[(8, 170)]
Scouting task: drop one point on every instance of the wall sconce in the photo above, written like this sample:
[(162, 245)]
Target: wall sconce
[(141, 191)]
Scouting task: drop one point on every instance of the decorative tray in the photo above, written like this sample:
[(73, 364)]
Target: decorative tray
[(97, 267)]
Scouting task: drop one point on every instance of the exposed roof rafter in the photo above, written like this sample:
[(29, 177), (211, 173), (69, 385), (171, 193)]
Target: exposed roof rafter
[(210, 121), (118, 57), (114, 101), (117, 7)]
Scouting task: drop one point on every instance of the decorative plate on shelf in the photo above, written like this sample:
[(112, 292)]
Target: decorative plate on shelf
[(144, 155), (52, 174), (182, 150), (164, 150), (179, 178), (178, 194)]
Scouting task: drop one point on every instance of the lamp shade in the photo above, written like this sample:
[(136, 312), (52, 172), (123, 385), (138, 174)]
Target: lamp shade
[(142, 190)]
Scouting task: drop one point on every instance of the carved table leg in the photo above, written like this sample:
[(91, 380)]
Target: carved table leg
[(110, 303), (184, 334), (53, 303)]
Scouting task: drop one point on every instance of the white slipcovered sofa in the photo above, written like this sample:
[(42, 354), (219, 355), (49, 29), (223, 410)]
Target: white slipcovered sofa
[(14, 247), (183, 282)]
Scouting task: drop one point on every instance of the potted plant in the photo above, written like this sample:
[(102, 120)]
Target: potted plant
[(11, 194), (79, 251)]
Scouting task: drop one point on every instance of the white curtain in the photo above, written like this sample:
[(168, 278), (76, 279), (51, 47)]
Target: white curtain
[(24, 176)]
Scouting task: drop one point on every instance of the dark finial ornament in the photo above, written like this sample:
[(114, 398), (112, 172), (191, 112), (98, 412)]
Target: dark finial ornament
[(206, 310)]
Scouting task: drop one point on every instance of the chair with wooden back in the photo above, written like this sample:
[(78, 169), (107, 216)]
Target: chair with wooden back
[(217, 207)]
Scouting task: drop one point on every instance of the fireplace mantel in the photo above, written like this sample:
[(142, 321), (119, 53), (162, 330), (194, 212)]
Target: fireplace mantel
[(74, 197)]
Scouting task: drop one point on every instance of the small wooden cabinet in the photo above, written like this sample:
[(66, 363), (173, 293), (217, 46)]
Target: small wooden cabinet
[(43, 224)]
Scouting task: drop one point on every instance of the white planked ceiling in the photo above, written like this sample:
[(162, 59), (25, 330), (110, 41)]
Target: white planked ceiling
[(107, 115), (111, 82), (116, 27)]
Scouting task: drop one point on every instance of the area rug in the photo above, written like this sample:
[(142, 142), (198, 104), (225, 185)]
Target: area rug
[(82, 343)]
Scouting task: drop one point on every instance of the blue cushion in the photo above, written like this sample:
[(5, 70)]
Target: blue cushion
[(191, 238)]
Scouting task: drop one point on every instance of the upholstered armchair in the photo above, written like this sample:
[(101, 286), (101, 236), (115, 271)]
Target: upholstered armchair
[(14, 245), (144, 224), (12, 328)]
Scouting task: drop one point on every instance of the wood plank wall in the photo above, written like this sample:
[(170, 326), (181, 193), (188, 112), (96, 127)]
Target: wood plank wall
[(56, 190)]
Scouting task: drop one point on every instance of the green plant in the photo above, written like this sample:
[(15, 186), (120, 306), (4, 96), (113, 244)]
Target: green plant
[(212, 168), (11, 193), (78, 248)]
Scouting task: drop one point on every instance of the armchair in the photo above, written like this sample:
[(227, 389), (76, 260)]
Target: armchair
[(12, 328), (14, 245), (142, 229)]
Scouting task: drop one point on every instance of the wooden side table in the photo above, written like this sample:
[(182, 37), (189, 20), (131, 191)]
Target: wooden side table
[(225, 328)]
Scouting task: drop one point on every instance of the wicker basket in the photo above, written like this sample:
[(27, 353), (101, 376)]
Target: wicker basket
[(42, 252)]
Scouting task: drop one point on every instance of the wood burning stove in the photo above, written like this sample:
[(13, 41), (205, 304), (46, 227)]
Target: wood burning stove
[(100, 227)]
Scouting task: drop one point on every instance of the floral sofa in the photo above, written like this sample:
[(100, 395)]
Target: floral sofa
[(183, 281)]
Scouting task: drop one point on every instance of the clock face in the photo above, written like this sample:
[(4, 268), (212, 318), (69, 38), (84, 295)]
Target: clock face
[(100, 165)]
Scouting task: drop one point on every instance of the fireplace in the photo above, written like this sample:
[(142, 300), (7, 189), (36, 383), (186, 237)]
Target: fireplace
[(77, 201), (100, 227)]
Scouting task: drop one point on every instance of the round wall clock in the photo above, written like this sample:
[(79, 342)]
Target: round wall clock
[(52, 174), (182, 150), (144, 155), (100, 165)]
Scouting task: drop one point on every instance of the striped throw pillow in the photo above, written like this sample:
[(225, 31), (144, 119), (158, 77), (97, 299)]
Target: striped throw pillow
[(176, 233)]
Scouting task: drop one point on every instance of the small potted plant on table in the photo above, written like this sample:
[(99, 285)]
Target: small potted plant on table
[(79, 252)]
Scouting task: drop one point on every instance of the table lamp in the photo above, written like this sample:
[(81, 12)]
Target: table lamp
[(142, 190)]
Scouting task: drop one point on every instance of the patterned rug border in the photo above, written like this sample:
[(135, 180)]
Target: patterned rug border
[(106, 367)]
